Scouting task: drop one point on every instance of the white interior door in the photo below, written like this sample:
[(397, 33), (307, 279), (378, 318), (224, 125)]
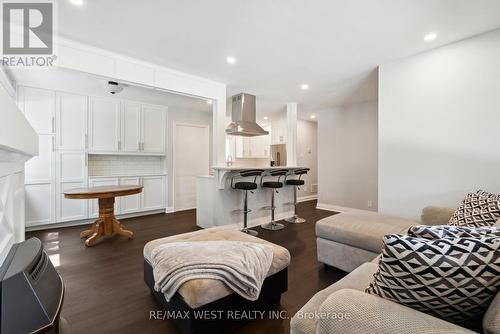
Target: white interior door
[(191, 159)]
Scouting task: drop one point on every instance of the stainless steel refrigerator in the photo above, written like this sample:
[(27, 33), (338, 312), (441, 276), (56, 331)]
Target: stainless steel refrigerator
[(278, 154)]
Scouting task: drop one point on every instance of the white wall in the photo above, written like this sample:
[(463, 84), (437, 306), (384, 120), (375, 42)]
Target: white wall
[(439, 126), (347, 156), (307, 154), (183, 116)]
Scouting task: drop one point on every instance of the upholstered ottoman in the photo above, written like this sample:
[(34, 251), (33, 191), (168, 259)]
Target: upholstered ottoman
[(207, 295), (349, 239)]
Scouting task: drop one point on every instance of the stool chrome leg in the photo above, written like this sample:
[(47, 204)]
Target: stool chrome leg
[(245, 217), (273, 226), (295, 219)]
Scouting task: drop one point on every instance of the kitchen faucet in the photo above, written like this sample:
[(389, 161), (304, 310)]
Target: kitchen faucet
[(229, 160)]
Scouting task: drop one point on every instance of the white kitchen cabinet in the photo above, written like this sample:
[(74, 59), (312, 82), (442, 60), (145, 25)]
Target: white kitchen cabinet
[(126, 127), (39, 201), (131, 124), (39, 184), (154, 192), (40, 169), (104, 125), (279, 131), (71, 121), (38, 107), (154, 124), (253, 147), (132, 203), (93, 203), (71, 172)]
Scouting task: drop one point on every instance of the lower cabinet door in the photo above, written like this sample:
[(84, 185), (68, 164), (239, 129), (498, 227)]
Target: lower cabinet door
[(132, 203), (154, 192), (39, 204), (94, 205), (70, 209)]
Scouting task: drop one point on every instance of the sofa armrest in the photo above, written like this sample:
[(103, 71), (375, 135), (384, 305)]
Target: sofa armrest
[(435, 215), (353, 311)]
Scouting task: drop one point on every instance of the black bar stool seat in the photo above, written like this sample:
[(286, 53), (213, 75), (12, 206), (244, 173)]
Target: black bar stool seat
[(295, 182), (272, 184), (245, 185)]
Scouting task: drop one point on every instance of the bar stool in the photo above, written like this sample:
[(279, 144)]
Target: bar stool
[(246, 186), (276, 184), (296, 183)]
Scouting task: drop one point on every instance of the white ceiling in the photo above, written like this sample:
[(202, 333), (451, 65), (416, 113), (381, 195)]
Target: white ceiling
[(332, 45)]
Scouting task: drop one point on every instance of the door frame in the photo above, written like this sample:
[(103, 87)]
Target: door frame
[(174, 141)]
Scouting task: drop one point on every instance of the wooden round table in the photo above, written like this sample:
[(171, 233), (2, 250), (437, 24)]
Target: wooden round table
[(106, 224)]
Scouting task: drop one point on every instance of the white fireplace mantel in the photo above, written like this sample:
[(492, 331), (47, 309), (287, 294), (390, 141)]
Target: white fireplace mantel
[(18, 143)]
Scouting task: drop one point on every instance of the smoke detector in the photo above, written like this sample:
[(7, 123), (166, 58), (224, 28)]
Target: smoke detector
[(114, 87)]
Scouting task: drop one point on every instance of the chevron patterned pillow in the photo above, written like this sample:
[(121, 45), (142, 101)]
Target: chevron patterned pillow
[(445, 231), (452, 279), (477, 209)]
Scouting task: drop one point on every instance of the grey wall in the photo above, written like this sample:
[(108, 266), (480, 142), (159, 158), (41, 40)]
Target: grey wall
[(347, 156), (439, 126)]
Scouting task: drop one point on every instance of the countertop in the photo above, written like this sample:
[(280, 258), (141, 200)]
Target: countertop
[(250, 167)]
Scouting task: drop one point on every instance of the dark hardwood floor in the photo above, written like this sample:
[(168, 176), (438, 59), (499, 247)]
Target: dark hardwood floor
[(105, 291)]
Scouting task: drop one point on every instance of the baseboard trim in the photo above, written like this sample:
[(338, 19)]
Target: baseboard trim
[(334, 208), (307, 198), (88, 221)]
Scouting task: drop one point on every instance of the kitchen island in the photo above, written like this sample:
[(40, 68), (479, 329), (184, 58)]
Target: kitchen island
[(216, 201)]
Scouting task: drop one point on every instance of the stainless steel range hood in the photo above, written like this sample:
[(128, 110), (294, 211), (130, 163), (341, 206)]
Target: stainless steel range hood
[(243, 117)]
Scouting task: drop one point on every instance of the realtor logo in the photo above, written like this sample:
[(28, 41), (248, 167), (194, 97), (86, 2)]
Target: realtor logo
[(27, 28)]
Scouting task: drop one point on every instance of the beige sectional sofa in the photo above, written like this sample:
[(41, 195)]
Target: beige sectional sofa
[(352, 241)]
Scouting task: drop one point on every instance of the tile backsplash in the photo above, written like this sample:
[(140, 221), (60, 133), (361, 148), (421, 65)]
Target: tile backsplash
[(118, 165)]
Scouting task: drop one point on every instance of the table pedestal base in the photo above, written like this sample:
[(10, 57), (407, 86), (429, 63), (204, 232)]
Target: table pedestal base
[(106, 224)]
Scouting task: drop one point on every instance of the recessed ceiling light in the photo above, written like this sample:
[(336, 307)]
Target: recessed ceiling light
[(304, 86), (313, 116), (209, 102), (430, 37), (266, 118), (77, 2), (230, 60)]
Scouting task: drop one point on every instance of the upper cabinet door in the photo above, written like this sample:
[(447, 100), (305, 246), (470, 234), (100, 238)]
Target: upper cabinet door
[(38, 106), (154, 124), (71, 121), (131, 126), (104, 125)]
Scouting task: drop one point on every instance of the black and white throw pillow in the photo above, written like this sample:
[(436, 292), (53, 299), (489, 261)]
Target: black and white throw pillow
[(445, 231), (477, 209), (453, 279)]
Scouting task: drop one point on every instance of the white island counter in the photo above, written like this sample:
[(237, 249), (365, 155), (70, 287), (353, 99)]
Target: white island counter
[(216, 201)]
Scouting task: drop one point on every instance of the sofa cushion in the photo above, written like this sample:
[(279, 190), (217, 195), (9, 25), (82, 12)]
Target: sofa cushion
[(199, 292), (453, 279), (304, 321), (491, 320), (477, 209), (444, 231), (361, 229)]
